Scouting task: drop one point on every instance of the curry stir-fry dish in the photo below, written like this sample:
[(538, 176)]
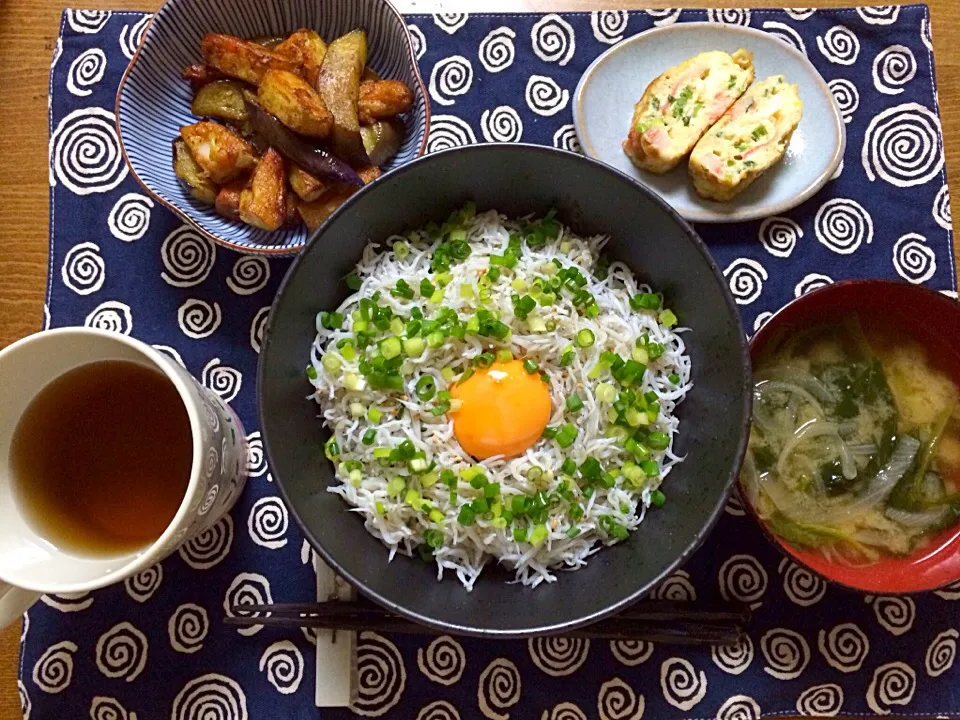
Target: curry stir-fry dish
[(292, 126)]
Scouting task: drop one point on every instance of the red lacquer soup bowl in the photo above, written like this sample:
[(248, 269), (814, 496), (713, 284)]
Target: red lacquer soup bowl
[(927, 317)]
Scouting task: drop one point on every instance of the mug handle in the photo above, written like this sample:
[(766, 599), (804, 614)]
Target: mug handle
[(14, 601)]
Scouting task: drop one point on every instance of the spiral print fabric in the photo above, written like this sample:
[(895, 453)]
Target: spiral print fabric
[(121, 262)]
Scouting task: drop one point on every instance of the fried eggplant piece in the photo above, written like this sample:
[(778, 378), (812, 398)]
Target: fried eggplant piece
[(382, 100), (314, 213), (220, 99), (263, 203), (228, 199), (369, 173), (192, 175), (307, 187), (200, 75), (305, 48), (293, 102), (293, 216), (220, 152), (382, 140), (242, 59), (339, 86)]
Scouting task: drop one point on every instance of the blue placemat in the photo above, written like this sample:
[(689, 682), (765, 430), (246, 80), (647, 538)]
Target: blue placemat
[(155, 646)]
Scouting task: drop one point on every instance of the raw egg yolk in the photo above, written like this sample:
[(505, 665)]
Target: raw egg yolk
[(503, 410)]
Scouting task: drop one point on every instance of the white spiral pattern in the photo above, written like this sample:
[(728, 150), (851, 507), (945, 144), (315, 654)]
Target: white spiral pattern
[(894, 613), (786, 33), (87, 22), (845, 647), (609, 25), (112, 316), (132, 35), (450, 22), (86, 71), (879, 14), (187, 257), (438, 710), (443, 660), (129, 218), (553, 39), (779, 235), (821, 700), (841, 225), (83, 269), (496, 50), (893, 67), (250, 275), (417, 40), (68, 602), (743, 578), (733, 659), (381, 674), (565, 138), (664, 16), (631, 652), (85, 152), (256, 459), (256, 328), (283, 664), (563, 711), (187, 628), (122, 652), (223, 380), (941, 209), (950, 592), (846, 96), (902, 146), (198, 319), (800, 13), (893, 684), (544, 96), (618, 701), (449, 131), (810, 282), (558, 656), (210, 697), (941, 653), (171, 353), (53, 670), (734, 506), (739, 707), (677, 587), (786, 653), (108, 708), (760, 321), (729, 16), (683, 686), (502, 124), (839, 45), (913, 259), (25, 705), (450, 78), (267, 523), (498, 689), (247, 589), (210, 547), (145, 583), (926, 34), (803, 587), (745, 278)]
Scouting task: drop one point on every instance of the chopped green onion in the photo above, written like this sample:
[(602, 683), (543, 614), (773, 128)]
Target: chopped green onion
[(331, 449), (483, 360), (390, 348), (369, 436), (536, 324), (413, 347), (380, 509), (519, 284), (567, 435), (353, 281), (357, 410), (436, 516), (519, 534), (569, 466), (504, 355), (427, 288), (658, 440), (573, 532), (480, 505), (331, 320), (381, 453), (395, 486), (550, 432), (312, 372), (538, 535), (401, 249), (331, 362), (425, 388), (437, 297), (374, 415), (433, 538), (467, 374), (402, 290), (668, 318), (548, 298), (674, 378), (650, 468), (657, 498), (435, 339), (645, 301), (467, 516), (491, 490), (567, 358), (466, 291), (574, 403), (606, 392), (413, 498), (531, 366), (585, 338)]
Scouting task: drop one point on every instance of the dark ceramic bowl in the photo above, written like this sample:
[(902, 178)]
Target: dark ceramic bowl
[(651, 239), (931, 319)]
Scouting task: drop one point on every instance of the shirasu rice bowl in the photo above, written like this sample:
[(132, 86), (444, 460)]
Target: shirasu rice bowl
[(441, 307)]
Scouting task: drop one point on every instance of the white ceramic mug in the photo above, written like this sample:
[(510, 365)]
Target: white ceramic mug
[(30, 565)]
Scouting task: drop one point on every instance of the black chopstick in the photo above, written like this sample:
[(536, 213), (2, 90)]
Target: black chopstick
[(655, 621)]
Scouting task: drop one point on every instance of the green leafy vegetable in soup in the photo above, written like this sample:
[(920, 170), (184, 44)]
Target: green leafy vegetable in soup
[(855, 444)]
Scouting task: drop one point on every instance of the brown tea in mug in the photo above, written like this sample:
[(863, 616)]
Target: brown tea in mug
[(101, 458)]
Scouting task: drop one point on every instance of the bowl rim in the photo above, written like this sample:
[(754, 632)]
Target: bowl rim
[(781, 545), (286, 250), (698, 538), (750, 211)]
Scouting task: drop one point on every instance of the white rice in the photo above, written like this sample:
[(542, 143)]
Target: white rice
[(466, 550)]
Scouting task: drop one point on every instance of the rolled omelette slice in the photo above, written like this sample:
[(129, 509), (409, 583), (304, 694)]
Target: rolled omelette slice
[(681, 104), (748, 140)]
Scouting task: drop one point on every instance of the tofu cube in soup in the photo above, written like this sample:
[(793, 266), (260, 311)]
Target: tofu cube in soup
[(748, 140), (220, 152), (680, 105)]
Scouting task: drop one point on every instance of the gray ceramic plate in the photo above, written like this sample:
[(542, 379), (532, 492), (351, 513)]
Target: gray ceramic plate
[(603, 107)]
